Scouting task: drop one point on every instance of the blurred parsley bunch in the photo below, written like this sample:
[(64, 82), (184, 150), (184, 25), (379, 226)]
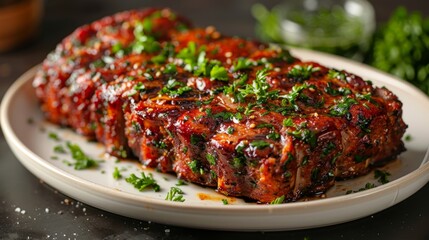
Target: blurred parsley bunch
[(401, 48)]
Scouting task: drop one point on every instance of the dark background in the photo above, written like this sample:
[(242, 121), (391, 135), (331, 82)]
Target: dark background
[(68, 219)]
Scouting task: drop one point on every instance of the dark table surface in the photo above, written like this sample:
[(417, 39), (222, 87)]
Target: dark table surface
[(24, 198)]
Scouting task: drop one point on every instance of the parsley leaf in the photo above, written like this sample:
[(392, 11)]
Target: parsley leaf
[(143, 182), (83, 161), (175, 194), (278, 200)]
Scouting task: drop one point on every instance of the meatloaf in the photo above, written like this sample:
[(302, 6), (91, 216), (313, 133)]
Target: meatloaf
[(244, 117)]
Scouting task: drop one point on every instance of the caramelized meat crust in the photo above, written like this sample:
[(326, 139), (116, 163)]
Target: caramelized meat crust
[(241, 116)]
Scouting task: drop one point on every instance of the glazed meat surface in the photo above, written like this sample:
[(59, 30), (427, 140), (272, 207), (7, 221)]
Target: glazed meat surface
[(240, 116)]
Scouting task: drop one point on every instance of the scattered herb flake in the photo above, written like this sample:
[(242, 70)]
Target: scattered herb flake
[(143, 182), (83, 161), (116, 174), (278, 200), (175, 194)]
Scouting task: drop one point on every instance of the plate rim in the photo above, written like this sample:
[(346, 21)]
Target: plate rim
[(280, 209)]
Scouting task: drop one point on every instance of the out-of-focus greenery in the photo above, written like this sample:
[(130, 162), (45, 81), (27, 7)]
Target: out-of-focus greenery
[(267, 28), (401, 47)]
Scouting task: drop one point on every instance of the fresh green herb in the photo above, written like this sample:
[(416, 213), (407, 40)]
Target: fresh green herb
[(160, 144), (116, 174), (54, 136), (301, 73), (118, 49), (144, 42), (218, 73), (259, 144), (259, 88), (181, 182), (294, 94), (243, 63), (238, 162), (401, 48), (59, 149), (143, 182), (273, 135), (305, 135), (341, 91), (194, 166), (170, 69), (342, 107), (232, 89), (174, 88), (230, 130), (175, 194), (83, 161), (366, 187), (381, 176), (408, 138), (225, 201), (335, 74), (140, 87), (288, 122), (211, 159), (304, 161), (159, 59), (278, 200), (265, 125)]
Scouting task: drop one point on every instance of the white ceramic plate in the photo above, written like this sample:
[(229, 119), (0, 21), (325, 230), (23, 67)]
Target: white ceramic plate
[(27, 134)]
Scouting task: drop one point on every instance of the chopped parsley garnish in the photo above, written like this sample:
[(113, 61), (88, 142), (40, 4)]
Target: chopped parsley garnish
[(258, 89), (301, 73), (230, 130), (83, 161), (218, 73), (174, 88), (341, 91), (243, 63), (259, 144), (225, 201), (211, 159), (59, 149), (381, 176), (54, 136), (170, 69), (288, 122), (143, 182), (140, 87), (278, 200), (144, 42), (408, 138), (181, 182), (294, 94), (194, 165), (116, 174), (342, 107), (305, 135), (366, 187), (175, 194), (335, 74)]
